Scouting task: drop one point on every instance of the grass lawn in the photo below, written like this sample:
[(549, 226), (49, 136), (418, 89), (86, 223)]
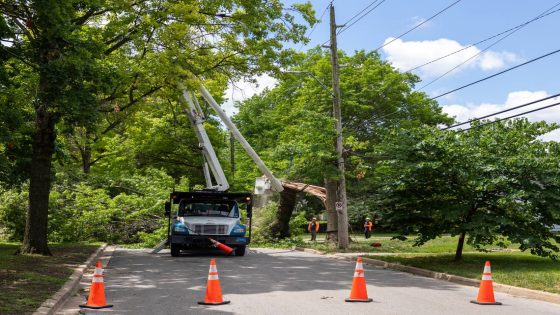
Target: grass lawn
[(509, 266), (444, 244), (28, 280), (513, 268)]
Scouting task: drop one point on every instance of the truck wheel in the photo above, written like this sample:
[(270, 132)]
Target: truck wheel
[(240, 250), (175, 250)]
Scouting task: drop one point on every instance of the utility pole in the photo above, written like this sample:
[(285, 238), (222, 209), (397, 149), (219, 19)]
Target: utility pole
[(341, 202)]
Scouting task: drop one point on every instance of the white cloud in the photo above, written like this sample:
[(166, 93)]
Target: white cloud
[(491, 60), (407, 55), (465, 112), (242, 90)]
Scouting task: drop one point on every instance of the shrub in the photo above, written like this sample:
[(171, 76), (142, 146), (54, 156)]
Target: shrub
[(13, 211)]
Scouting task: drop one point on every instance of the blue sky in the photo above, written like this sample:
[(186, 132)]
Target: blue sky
[(467, 22)]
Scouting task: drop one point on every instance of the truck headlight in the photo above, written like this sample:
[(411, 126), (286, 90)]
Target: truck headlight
[(239, 230)]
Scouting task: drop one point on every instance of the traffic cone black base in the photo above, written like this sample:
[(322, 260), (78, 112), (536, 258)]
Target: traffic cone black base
[(486, 303), (213, 303), (366, 300), (96, 307)]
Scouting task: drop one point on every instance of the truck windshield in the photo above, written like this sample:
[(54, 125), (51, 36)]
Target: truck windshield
[(222, 208)]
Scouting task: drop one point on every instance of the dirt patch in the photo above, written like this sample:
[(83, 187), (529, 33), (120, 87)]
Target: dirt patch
[(28, 280)]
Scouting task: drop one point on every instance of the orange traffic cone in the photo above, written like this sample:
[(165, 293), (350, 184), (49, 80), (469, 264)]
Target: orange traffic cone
[(96, 298), (359, 291), (213, 289), (224, 248), (486, 290)]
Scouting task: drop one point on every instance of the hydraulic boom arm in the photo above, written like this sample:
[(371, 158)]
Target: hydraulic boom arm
[(197, 118)]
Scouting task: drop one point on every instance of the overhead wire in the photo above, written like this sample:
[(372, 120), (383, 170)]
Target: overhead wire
[(355, 16), (342, 30), (315, 26), (419, 24), (512, 116), (480, 52), (501, 112), (496, 74), (486, 39)]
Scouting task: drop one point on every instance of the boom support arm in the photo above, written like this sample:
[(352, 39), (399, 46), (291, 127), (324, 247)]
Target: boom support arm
[(274, 182), (197, 119)]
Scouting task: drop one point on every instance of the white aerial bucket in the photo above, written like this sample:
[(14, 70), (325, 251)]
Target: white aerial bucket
[(262, 184)]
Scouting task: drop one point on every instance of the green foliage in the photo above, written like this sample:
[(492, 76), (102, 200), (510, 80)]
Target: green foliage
[(292, 128), (488, 183), (13, 207), (84, 68), (262, 219), (16, 122), (118, 210), (152, 239), (295, 224)]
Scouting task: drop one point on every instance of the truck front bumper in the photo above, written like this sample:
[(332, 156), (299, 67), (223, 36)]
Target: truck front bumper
[(203, 241)]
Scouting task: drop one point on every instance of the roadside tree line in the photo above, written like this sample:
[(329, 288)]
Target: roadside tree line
[(93, 136)]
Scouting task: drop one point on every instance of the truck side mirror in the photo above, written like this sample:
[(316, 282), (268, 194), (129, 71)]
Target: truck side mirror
[(167, 208), (249, 211)]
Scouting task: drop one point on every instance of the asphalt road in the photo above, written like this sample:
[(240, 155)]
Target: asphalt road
[(284, 282)]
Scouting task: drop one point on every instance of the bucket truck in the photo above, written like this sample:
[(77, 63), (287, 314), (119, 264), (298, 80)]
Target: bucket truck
[(212, 214)]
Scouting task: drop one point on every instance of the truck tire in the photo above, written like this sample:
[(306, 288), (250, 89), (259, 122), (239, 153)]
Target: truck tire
[(175, 250), (240, 250)]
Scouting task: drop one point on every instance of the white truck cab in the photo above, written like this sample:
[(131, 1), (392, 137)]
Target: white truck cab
[(204, 215)]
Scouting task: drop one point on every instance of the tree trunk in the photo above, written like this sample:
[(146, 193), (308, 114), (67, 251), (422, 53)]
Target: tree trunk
[(35, 237), (332, 217), (86, 157), (460, 243), (281, 226)]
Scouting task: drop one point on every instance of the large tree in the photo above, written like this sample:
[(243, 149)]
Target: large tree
[(485, 184), (85, 58), (292, 124)]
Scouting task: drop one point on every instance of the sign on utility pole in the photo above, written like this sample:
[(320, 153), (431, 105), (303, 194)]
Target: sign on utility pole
[(341, 198)]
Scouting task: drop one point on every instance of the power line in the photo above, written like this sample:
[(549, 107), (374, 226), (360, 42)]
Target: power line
[(502, 111), (512, 116), (368, 12), (354, 16), (496, 74), (467, 60), (487, 39), (420, 24), (480, 52), (315, 26)]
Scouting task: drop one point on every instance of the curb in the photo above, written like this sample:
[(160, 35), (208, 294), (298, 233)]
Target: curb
[(51, 305), (504, 288)]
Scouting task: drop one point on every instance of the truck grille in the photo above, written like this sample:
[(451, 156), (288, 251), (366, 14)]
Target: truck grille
[(210, 229)]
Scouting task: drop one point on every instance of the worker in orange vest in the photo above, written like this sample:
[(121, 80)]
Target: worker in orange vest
[(313, 228), (368, 227)]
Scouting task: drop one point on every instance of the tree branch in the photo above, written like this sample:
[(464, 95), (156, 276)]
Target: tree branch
[(90, 13)]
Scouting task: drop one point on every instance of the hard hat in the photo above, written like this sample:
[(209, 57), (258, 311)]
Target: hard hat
[(368, 219), (314, 218)]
